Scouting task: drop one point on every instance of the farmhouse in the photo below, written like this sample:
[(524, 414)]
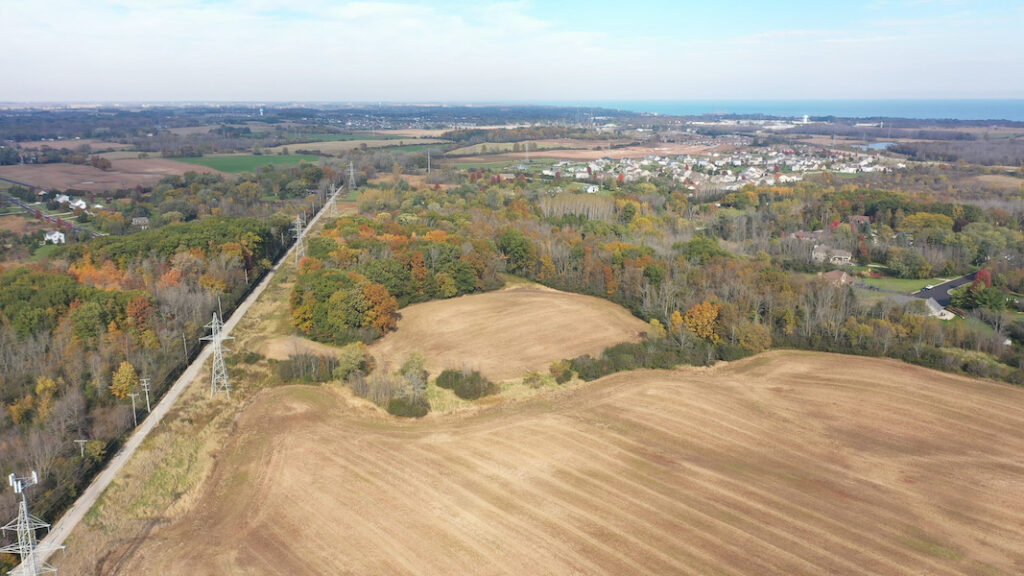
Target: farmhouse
[(54, 237)]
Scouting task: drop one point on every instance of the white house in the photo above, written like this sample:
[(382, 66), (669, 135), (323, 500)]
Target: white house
[(592, 189), (54, 237), (80, 204)]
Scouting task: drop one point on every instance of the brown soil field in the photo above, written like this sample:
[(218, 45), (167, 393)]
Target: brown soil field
[(507, 333), (784, 463), (126, 173), (342, 146)]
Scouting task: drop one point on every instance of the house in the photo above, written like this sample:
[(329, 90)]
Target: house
[(79, 204), (62, 198), (841, 257), (838, 278), (860, 223), (592, 189), (54, 237), (140, 222), (822, 253)]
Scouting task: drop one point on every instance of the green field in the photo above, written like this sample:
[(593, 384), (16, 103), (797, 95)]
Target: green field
[(237, 164), (901, 284)]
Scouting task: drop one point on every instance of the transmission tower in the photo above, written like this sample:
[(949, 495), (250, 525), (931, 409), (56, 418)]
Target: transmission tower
[(298, 227), (25, 525), (219, 378), (351, 177)]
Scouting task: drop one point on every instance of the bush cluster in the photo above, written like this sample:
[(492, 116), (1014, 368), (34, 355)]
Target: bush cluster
[(466, 385), (659, 353), (307, 368), (409, 406)]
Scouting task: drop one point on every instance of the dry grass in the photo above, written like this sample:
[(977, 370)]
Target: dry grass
[(1001, 181), (507, 333), (341, 146), (779, 464)]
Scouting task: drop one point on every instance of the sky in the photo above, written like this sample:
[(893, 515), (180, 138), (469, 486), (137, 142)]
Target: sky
[(517, 51)]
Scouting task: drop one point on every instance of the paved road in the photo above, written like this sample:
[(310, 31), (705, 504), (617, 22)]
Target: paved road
[(62, 529), (941, 292)]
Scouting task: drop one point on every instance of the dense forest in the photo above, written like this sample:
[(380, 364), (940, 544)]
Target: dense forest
[(80, 329)]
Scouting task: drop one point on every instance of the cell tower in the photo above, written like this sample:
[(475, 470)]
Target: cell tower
[(298, 227), (26, 525), (219, 378)]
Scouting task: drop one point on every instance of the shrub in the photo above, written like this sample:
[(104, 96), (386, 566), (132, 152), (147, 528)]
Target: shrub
[(448, 379), (409, 406), (561, 371), (534, 379), (466, 385)]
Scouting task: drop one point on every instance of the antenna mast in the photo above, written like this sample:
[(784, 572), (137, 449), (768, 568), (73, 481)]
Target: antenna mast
[(219, 377), (26, 525)]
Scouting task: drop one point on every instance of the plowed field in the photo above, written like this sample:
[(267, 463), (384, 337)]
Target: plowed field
[(507, 333), (787, 463)]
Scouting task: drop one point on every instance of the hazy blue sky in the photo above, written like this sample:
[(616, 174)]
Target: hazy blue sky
[(456, 50)]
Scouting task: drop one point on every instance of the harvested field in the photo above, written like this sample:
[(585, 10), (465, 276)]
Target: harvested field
[(96, 145), (507, 333), (537, 146), (660, 149), (1000, 181), (126, 173), (778, 464), (332, 147), (238, 163), (15, 220)]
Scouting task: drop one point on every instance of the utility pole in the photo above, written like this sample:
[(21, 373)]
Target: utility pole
[(25, 525), (145, 388), (81, 446), (298, 229), (185, 344), (219, 377), (428, 161), (135, 415)]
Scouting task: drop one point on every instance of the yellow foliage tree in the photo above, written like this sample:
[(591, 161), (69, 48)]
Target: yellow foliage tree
[(125, 379), (701, 321)]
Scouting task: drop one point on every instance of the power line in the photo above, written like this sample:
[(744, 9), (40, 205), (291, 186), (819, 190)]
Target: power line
[(219, 376), (25, 525)]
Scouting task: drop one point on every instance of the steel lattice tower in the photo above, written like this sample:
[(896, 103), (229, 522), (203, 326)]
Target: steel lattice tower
[(25, 525), (298, 227), (219, 380)]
